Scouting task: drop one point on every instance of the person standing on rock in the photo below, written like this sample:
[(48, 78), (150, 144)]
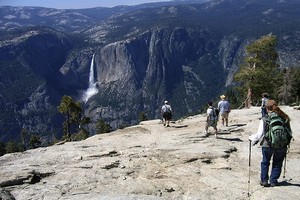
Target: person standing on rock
[(166, 112), (268, 150), (212, 119), (224, 108), (265, 97)]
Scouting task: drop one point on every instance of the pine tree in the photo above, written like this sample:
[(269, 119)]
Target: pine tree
[(261, 71), (11, 147), (24, 139), (72, 111), (35, 141), (295, 84), (143, 116), (2, 148), (103, 127), (285, 90)]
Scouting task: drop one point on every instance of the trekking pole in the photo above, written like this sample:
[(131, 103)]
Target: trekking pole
[(249, 168)]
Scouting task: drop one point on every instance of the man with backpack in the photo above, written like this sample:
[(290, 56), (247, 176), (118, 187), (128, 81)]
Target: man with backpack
[(275, 132), (212, 118), (166, 111)]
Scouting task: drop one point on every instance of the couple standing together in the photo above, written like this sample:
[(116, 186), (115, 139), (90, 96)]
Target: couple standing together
[(213, 116)]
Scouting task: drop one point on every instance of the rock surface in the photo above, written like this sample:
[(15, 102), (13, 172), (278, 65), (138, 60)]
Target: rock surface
[(150, 161)]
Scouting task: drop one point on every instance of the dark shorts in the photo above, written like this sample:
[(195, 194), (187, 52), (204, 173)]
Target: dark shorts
[(167, 116)]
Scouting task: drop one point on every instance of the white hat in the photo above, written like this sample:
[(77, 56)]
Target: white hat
[(223, 96), (166, 102)]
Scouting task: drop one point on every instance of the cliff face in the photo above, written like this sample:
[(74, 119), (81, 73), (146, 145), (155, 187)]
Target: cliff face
[(186, 54), (30, 65), (186, 66)]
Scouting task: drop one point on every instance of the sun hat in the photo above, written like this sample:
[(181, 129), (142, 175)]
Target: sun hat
[(222, 96)]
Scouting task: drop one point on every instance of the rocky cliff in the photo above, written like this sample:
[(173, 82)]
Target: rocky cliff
[(184, 53), (186, 66), (30, 63)]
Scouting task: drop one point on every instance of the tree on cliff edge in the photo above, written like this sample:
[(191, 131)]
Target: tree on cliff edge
[(72, 111), (261, 71)]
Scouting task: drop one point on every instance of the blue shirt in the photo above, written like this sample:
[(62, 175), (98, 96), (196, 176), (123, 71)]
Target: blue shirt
[(223, 106)]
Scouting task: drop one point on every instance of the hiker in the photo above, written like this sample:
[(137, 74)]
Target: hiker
[(268, 149), (224, 108), (166, 112), (212, 119), (265, 97)]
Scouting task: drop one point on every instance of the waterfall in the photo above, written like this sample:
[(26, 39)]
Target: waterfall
[(92, 89)]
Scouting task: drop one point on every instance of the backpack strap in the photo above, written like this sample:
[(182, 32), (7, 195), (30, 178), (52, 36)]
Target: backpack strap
[(266, 122), (214, 114)]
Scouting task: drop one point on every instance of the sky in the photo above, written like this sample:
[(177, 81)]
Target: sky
[(74, 4)]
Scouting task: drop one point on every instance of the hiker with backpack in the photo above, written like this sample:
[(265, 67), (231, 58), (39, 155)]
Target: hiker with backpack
[(212, 118), (275, 132), (224, 108), (166, 112)]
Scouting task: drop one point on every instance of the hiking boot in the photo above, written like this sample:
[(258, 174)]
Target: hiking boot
[(273, 184), (264, 183)]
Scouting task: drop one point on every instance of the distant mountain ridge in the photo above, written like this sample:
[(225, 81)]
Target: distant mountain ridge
[(68, 20), (182, 51)]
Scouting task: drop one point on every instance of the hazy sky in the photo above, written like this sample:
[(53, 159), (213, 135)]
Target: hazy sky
[(74, 3)]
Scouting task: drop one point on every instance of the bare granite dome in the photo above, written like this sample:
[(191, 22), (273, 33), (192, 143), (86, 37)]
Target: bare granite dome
[(150, 161)]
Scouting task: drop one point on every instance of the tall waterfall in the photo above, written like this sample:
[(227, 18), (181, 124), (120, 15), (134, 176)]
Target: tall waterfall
[(92, 89)]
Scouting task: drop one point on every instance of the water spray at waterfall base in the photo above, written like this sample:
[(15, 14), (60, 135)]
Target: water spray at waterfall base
[(92, 89)]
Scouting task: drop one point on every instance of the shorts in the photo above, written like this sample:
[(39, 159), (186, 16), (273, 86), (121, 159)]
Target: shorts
[(212, 123), (167, 116), (224, 115)]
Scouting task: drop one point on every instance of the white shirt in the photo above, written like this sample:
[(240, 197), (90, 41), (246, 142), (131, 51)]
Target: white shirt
[(165, 108), (259, 134), (210, 114)]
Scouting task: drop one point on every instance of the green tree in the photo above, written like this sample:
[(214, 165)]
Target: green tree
[(143, 116), (72, 111), (81, 135), (11, 147), (285, 90), (295, 84), (103, 127), (35, 141), (261, 71), (2, 149), (23, 138)]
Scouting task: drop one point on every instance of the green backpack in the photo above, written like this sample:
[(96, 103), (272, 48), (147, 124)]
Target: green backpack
[(277, 133)]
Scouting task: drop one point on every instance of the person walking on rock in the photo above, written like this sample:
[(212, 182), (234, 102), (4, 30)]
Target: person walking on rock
[(212, 119), (269, 149), (166, 112), (224, 108)]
